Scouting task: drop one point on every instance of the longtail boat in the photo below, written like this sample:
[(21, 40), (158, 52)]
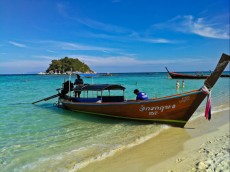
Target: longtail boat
[(174, 110), (175, 75), (225, 75)]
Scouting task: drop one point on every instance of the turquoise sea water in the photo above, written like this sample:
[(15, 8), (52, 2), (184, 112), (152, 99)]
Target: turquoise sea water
[(43, 137)]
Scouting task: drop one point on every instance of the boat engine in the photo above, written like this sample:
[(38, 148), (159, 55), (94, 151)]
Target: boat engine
[(66, 87)]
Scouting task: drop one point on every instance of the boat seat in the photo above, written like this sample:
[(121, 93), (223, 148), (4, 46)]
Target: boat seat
[(112, 98), (86, 99)]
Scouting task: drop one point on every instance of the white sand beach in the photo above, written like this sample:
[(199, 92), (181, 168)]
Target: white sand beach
[(201, 146)]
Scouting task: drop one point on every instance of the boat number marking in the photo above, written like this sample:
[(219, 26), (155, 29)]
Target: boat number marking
[(153, 113), (184, 99), (154, 110)]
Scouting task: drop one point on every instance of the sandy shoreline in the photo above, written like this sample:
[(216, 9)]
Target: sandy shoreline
[(201, 146)]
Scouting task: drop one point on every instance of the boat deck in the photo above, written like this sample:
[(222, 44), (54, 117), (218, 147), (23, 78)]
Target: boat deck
[(118, 99)]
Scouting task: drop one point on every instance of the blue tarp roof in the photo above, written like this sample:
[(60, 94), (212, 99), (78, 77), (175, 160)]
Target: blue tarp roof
[(99, 87)]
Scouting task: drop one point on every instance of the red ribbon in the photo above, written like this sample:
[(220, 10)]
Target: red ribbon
[(208, 103), (208, 107)]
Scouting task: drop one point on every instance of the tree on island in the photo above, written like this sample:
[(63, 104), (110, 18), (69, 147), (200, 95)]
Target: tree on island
[(66, 64)]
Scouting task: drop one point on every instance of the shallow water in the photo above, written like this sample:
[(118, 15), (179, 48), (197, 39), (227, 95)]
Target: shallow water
[(43, 137)]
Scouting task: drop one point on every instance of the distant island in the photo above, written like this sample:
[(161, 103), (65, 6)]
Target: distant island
[(67, 66)]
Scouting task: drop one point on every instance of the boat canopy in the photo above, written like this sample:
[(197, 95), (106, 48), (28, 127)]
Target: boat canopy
[(100, 87)]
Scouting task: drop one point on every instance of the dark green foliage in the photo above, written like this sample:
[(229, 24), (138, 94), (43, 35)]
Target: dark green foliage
[(66, 64)]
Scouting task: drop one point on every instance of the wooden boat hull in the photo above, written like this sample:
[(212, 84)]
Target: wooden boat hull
[(225, 75), (174, 110), (175, 75), (186, 76)]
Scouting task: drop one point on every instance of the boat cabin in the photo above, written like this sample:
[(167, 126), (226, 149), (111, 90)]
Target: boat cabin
[(100, 93)]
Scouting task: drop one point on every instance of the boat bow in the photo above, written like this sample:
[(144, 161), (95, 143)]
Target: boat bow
[(212, 79)]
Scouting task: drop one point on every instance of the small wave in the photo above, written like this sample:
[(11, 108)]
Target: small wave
[(199, 113), (114, 151), (18, 103), (43, 162)]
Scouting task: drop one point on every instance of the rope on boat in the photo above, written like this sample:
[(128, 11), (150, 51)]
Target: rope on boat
[(205, 90), (208, 103)]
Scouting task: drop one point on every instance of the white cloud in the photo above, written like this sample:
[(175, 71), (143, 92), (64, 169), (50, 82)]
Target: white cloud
[(122, 61), (57, 45), (102, 26), (134, 36), (95, 62), (115, 32), (25, 63), (17, 44), (198, 26), (45, 57), (63, 10), (201, 27), (51, 51), (158, 40), (74, 46)]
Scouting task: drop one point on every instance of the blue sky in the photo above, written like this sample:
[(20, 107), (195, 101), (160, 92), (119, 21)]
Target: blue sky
[(113, 35)]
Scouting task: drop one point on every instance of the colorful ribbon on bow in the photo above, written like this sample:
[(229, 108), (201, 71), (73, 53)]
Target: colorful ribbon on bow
[(208, 103)]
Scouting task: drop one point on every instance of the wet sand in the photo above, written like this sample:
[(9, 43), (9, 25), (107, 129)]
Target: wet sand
[(201, 146)]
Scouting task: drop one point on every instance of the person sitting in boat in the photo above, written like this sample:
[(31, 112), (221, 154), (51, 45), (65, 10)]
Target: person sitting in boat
[(79, 83), (140, 95)]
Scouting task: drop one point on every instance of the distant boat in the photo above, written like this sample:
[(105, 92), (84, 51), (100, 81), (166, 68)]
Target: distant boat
[(42, 73), (225, 75), (88, 75), (175, 75), (105, 74), (174, 110)]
